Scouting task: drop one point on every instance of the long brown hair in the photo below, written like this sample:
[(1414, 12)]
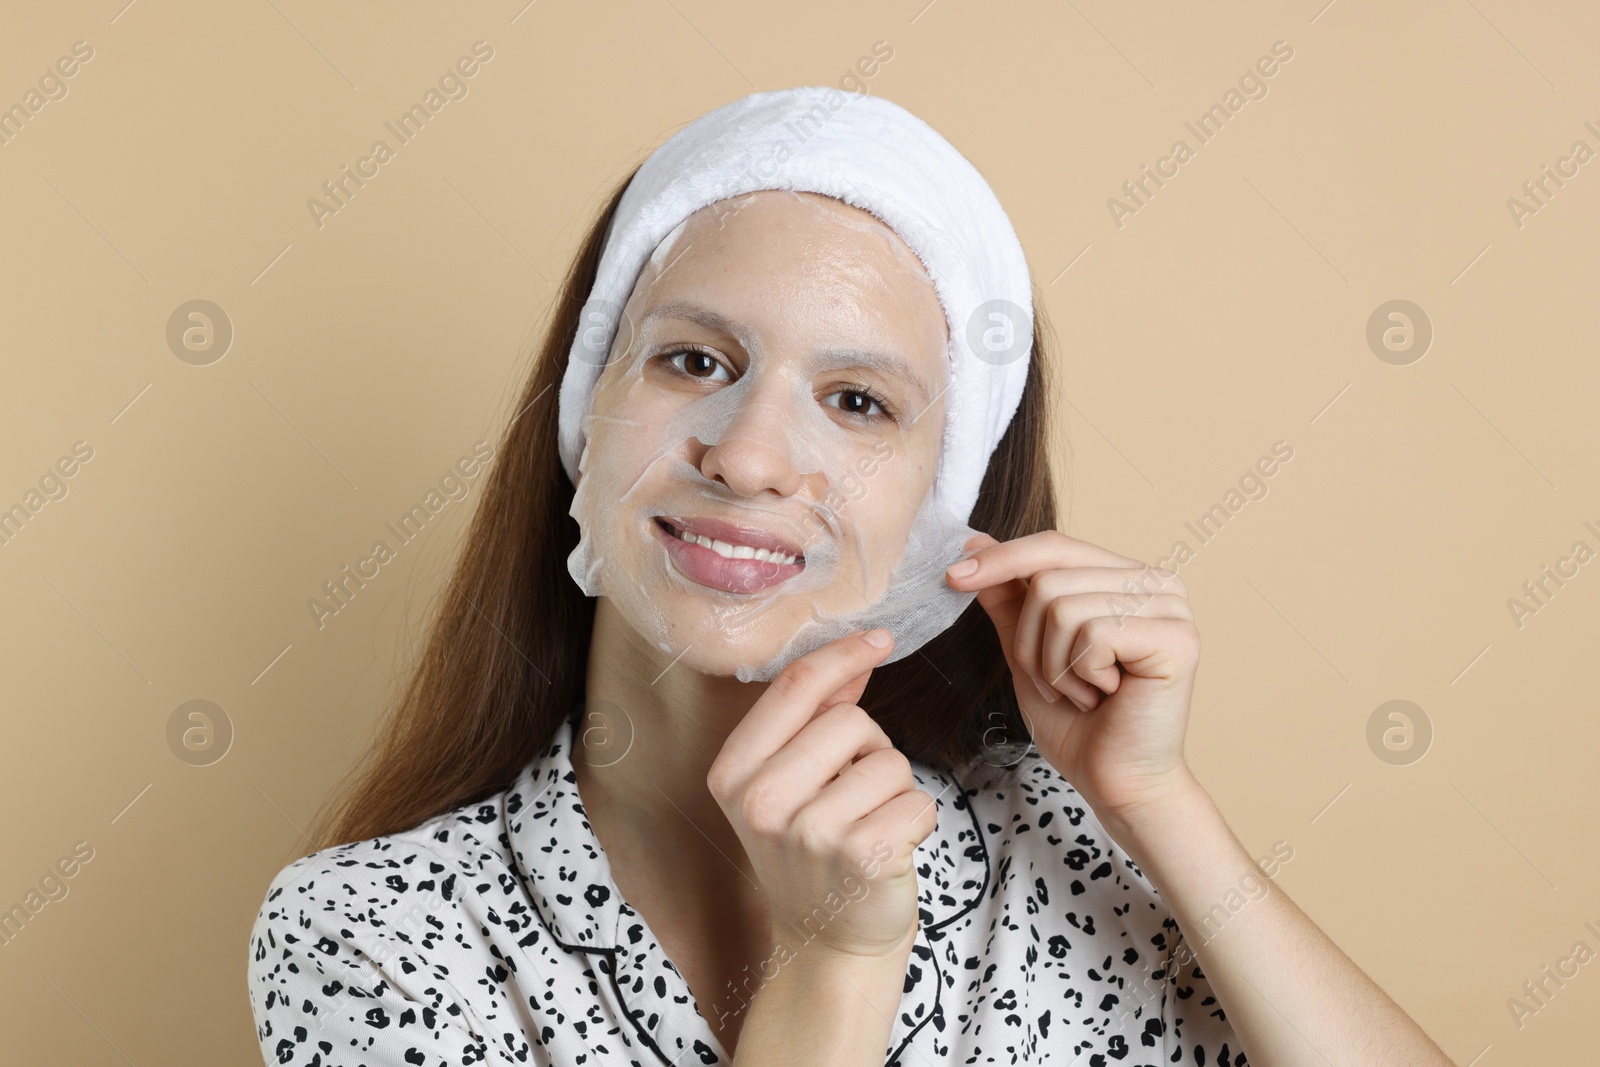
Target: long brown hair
[(505, 659)]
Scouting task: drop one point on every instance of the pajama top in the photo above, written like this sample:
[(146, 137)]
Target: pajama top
[(494, 934)]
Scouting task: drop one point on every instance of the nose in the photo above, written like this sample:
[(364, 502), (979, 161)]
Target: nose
[(753, 453)]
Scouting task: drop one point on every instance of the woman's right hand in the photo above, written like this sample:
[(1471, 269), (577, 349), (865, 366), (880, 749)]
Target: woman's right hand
[(824, 804)]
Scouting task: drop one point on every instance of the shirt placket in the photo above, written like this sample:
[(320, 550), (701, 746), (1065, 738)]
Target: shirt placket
[(663, 1014), (655, 1010), (655, 999)]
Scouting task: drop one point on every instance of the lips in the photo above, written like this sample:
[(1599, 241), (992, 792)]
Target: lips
[(731, 535), (738, 571)]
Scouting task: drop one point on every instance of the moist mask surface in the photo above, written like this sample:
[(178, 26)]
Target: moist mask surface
[(638, 489)]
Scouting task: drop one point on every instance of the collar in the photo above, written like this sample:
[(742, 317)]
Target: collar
[(564, 867)]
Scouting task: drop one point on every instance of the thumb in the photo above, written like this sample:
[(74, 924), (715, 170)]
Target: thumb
[(977, 542), (849, 693), (1001, 602)]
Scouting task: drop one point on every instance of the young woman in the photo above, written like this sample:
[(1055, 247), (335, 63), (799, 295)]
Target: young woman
[(583, 840)]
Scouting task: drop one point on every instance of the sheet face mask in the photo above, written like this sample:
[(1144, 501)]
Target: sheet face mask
[(766, 612), (872, 555)]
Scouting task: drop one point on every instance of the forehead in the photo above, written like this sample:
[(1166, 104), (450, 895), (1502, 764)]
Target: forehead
[(802, 268), (782, 226)]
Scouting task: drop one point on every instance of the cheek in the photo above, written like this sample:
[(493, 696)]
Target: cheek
[(903, 467), (882, 492), (626, 433)]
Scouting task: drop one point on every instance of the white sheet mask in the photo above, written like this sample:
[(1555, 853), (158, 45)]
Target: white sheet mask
[(769, 613)]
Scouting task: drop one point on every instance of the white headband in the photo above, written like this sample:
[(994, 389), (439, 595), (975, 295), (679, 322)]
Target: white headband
[(874, 155)]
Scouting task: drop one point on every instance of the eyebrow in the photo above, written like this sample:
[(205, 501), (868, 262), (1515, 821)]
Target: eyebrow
[(833, 358)]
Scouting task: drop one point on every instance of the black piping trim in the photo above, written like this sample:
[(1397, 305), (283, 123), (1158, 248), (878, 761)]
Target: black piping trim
[(592, 950), (611, 973), (983, 891), (938, 973)]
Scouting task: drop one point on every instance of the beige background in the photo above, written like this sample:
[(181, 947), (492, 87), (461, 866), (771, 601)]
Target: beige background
[(1228, 313)]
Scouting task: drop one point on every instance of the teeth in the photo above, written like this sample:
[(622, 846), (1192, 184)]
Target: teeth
[(727, 551)]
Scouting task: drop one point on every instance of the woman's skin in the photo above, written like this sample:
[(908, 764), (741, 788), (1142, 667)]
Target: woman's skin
[(716, 862), (717, 801), (797, 274)]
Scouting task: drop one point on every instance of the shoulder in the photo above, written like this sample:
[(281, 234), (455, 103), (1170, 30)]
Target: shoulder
[(377, 878), (356, 944)]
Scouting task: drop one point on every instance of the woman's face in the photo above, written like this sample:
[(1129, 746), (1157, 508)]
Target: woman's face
[(826, 341)]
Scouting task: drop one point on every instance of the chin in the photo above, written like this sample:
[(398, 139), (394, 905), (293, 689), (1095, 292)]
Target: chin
[(714, 657)]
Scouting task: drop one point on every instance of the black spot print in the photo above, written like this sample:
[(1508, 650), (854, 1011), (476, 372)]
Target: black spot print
[(493, 934)]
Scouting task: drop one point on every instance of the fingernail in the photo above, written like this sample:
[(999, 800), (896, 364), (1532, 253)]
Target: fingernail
[(877, 638), (1050, 695), (962, 569)]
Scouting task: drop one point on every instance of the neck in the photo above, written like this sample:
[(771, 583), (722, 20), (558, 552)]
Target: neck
[(645, 743)]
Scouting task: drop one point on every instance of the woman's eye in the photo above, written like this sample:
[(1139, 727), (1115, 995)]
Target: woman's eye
[(696, 364), (861, 404), (703, 366)]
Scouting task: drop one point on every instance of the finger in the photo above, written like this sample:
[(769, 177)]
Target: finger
[(1145, 648), (973, 545), (1003, 604), (1137, 584), (1028, 623), (1058, 632), (1023, 639), (1060, 654), (792, 698), (903, 822), (861, 788), (978, 540), (850, 692), (1047, 628), (1024, 557), (998, 601), (822, 749)]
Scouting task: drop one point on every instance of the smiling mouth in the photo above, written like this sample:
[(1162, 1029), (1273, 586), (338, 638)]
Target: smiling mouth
[(733, 542)]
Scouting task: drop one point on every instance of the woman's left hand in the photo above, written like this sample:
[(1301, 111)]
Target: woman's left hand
[(1113, 642)]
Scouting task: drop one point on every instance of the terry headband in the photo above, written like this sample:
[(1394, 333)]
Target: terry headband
[(872, 154), (814, 555)]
